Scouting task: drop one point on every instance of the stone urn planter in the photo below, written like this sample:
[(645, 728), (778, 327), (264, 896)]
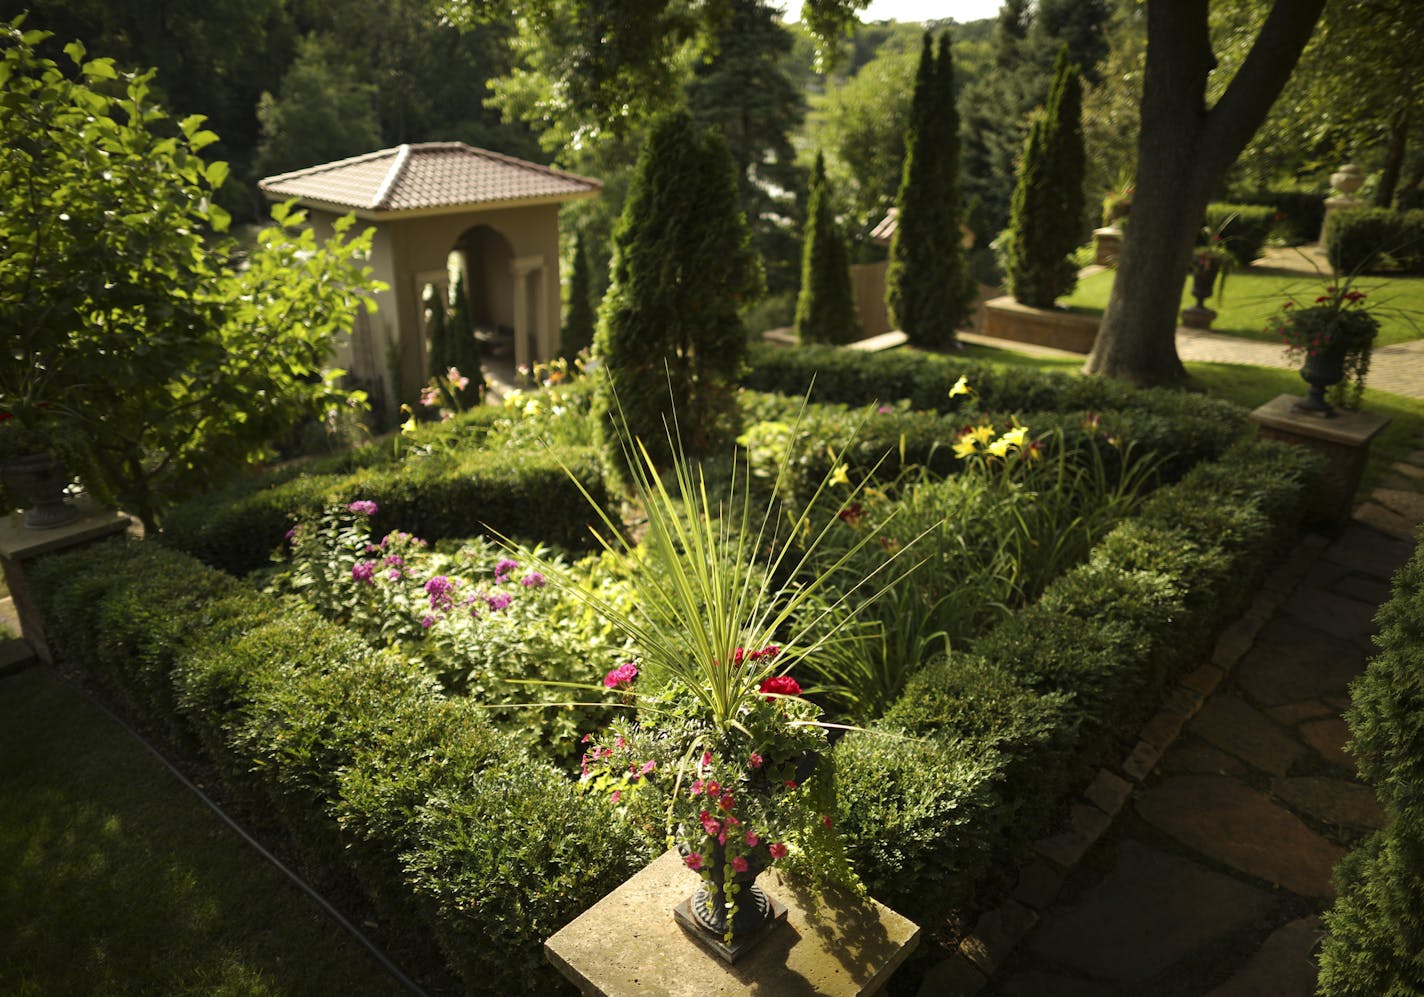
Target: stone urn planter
[(38, 482), (1200, 316), (1322, 370)]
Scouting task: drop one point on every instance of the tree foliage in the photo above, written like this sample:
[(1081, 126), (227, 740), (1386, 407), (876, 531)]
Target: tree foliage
[(166, 358), (1046, 218), (927, 287), (682, 267), (321, 112), (825, 308), (464, 349), (579, 316)]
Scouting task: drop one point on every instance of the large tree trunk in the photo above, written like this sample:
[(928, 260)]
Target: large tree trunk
[(1183, 152), (1394, 158)]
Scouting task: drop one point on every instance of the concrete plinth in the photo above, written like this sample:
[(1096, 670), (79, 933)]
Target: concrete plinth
[(1107, 246), (629, 944), (21, 546), (1005, 318), (1342, 439)]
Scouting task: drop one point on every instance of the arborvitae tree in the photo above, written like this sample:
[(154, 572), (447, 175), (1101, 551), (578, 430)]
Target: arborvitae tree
[(579, 320), (437, 336), (464, 349), (1046, 221), (825, 308), (928, 289), (668, 328)]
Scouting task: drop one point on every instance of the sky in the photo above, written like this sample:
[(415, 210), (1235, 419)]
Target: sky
[(962, 11)]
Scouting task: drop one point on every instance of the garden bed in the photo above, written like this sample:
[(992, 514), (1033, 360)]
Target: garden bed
[(459, 835)]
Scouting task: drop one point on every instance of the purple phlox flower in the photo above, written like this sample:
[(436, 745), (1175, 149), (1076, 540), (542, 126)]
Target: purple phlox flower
[(292, 535), (427, 622), (884, 410), (498, 601), (394, 574), (533, 580), (394, 561), (362, 507), (371, 549), (362, 571), (503, 568), (438, 589)]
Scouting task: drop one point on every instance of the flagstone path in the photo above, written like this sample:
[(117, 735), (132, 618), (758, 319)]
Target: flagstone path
[(1206, 871)]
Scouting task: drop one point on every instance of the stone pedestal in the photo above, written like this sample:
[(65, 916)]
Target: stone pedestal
[(629, 944), (1342, 439), (1198, 318), (20, 547), (1107, 246)]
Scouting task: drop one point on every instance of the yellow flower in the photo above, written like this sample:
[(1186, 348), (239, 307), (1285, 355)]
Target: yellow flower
[(1000, 447), (1016, 436), (961, 387), (840, 476), (966, 446), (983, 434), (408, 426)]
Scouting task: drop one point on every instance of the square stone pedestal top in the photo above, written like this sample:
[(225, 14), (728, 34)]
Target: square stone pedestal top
[(628, 943), (1351, 429), (18, 542)]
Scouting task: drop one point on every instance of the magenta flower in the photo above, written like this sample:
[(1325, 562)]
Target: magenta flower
[(751, 839), (362, 507), (780, 685), (394, 574), (622, 675), (362, 571), (694, 862), (739, 864), (503, 568), (533, 580), (438, 589), (498, 601), (427, 622), (755, 761), (777, 849)]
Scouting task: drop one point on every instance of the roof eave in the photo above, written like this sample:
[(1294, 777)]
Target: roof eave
[(387, 214)]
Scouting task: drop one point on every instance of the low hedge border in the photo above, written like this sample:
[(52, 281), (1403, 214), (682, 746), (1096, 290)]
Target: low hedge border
[(1375, 940), (1243, 228), (524, 494), (376, 777), (1363, 240), (372, 772), (1013, 724)]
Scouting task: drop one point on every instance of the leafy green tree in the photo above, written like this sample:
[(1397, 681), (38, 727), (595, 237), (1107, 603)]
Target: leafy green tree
[(1046, 219), (580, 318), (464, 349), (825, 308), (322, 111), (165, 361), (927, 287), (669, 328), (743, 91)]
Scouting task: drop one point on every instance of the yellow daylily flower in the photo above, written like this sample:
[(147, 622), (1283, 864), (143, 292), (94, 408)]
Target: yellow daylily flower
[(840, 475), (1000, 447), (966, 446), (1016, 436), (983, 434), (961, 387)]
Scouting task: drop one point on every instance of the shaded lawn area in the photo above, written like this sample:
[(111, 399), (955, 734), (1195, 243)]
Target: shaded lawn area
[(1252, 297), (117, 880), (1251, 387)]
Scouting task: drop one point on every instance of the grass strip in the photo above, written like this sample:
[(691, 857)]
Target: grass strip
[(118, 881)]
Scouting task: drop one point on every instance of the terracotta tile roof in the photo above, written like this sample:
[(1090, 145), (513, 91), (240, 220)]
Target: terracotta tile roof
[(427, 176)]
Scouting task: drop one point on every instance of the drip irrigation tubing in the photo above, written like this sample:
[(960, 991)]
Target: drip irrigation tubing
[(326, 905)]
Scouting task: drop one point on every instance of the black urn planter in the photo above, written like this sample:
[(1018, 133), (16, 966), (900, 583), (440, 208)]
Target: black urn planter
[(704, 914), (1322, 370), (38, 481)]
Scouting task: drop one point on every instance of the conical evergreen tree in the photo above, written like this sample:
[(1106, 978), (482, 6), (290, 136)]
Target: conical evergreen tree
[(464, 351), (669, 328), (579, 320), (825, 308), (927, 286), (1046, 221), (437, 336)]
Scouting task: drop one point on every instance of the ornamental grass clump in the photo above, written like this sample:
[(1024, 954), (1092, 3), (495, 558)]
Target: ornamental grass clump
[(723, 755)]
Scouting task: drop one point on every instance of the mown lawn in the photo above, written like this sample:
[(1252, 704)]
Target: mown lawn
[(1252, 297), (114, 879)]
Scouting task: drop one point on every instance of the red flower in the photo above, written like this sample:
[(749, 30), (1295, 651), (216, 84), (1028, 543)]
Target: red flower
[(777, 849), (780, 685)]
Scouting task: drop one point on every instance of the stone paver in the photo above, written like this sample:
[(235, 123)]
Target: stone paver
[(1335, 801), (1290, 714), (1233, 725), (1036, 984), (1151, 910), (1408, 503), (1332, 614), (1329, 737), (1198, 758), (1374, 553), (1240, 827), (1283, 967), (1292, 663), (1385, 520)]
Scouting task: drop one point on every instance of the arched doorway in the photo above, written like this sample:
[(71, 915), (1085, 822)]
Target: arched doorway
[(485, 257)]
